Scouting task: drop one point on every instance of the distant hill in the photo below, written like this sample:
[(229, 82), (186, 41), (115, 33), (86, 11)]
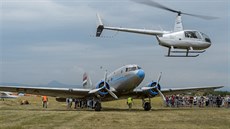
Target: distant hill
[(56, 83)]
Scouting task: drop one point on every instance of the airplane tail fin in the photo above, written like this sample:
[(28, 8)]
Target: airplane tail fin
[(100, 27), (87, 83)]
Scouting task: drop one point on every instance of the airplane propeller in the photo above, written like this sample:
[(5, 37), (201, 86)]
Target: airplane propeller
[(104, 87), (109, 91), (157, 5), (156, 87), (144, 88)]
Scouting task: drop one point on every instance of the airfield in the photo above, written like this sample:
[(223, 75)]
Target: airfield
[(114, 115)]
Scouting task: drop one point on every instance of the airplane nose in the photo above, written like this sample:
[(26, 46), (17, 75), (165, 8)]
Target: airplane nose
[(141, 73)]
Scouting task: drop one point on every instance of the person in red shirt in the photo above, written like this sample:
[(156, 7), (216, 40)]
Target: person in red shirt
[(44, 101)]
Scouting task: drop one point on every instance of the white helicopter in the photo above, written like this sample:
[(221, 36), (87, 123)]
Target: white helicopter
[(188, 41)]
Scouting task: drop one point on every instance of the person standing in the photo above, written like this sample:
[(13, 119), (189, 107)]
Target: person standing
[(218, 101), (130, 102), (44, 101), (228, 99), (191, 101), (69, 102)]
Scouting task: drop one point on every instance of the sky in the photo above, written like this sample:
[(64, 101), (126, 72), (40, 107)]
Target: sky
[(45, 40)]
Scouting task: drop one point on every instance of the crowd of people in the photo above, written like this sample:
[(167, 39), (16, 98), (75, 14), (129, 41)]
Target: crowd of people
[(198, 101), (171, 101), (79, 103)]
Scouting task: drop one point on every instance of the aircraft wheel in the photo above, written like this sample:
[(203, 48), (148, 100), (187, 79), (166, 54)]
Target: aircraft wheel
[(98, 106), (147, 106)]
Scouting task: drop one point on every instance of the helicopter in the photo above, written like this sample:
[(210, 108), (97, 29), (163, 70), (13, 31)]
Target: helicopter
[(185, 43)]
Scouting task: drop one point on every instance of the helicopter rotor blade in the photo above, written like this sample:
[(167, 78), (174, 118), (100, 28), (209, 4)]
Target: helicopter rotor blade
[(160, 6), (200, 16), (155, 4)]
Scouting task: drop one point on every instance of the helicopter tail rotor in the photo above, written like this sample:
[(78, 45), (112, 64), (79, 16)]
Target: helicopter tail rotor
[(100, 26)]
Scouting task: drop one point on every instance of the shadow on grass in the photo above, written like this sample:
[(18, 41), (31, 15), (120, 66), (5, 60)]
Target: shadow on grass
[(105, 109), (142, 110)]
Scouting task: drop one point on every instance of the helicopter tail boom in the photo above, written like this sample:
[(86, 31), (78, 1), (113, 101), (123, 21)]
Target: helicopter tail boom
[(101, 27)]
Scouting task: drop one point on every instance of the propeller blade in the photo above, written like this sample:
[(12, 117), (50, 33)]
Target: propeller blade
[(111, 93), (105, 78), (162, 96), (157, 5), (95, 90), (159, 78)]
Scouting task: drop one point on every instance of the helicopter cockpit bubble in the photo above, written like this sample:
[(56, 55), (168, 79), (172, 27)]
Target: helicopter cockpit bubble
[(205, 37)]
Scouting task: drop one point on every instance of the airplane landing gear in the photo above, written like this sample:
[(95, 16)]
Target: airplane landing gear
[(98, 106), (146, 104)]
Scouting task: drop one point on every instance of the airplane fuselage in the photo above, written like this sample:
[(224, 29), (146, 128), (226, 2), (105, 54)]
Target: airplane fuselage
[(124, 79)]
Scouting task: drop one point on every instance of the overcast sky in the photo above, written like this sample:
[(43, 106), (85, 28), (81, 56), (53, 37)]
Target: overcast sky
[(45, 40)]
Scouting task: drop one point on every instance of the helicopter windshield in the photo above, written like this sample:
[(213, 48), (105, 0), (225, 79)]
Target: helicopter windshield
[(205, 37), (192, 34)]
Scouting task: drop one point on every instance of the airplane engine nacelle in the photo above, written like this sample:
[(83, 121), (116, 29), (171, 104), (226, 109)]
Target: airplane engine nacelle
[(103, 91), (154, 92)]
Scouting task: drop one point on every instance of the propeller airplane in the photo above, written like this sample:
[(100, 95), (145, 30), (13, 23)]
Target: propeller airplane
[(122, 83)]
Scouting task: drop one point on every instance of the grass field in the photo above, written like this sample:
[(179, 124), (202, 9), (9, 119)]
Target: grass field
[(113, 116)]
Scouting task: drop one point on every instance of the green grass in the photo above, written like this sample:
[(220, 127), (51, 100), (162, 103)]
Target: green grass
[(114, 115)]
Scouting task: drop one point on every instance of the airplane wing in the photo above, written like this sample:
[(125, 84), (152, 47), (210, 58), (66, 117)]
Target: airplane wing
[(139, 93), (48, 91), (189, 89)]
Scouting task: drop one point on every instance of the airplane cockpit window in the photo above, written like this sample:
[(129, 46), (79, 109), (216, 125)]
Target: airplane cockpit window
[(131, 69), (192, 34), (206, 38), (138, 67)]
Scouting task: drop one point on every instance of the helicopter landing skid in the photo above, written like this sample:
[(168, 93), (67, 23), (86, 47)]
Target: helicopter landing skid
[(182, 55), (186, 53), (190, 51)]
